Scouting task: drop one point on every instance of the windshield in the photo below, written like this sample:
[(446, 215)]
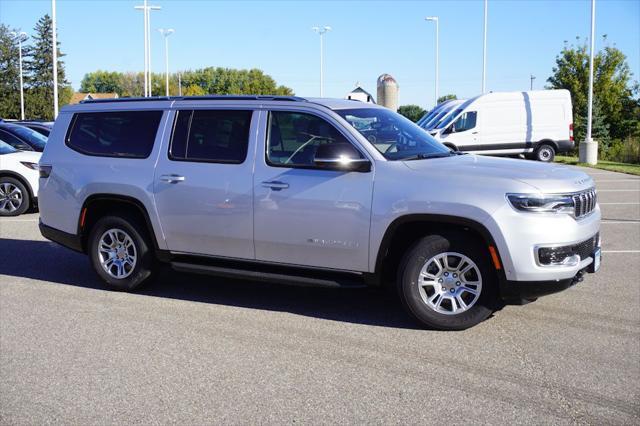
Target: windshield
[(434, 120), (449, 119), (5, 148), (394, 136), (32, 137)]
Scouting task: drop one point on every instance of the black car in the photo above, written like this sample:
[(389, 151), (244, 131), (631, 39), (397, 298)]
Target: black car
[(22, 138), (42, 127)]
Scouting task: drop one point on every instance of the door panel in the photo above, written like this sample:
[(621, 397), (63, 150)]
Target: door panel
[(205, 207), (305, 215)]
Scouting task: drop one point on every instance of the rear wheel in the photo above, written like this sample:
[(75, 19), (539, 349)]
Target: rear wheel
[(120, 252), (545, 152), (14, 197), (446, 283)]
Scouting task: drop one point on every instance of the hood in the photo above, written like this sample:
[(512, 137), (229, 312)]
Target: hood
[(547, 178)]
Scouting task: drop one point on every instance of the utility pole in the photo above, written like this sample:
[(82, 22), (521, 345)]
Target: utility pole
[(320, 31), (54, 41), (21, 36), (533, 77), (588, 149), (147, 45)]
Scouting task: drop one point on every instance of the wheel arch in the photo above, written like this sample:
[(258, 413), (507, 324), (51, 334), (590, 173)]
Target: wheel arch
[(97, 205), (551, 142), (404, 231)]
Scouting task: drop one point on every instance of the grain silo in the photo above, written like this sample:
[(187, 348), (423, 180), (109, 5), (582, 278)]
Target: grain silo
[(388, 92)]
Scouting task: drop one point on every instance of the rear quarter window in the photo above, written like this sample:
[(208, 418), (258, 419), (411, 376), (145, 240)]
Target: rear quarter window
[(125, 134)]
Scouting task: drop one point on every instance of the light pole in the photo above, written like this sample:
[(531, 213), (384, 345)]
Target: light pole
[(437, 21), (320, 31), (588, 149), (533, 77), (54, 41), (21, 36), (147, 45), (484, 50), (166, 33)]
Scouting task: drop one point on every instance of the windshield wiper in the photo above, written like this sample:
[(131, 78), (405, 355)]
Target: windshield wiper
[(425, 156)]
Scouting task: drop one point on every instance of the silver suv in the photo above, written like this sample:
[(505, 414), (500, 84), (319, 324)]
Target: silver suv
[(315, 192)]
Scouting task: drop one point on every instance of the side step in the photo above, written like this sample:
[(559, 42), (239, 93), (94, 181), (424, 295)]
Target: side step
[(274, 274)]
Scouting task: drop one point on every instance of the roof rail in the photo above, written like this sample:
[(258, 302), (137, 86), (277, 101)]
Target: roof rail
[(198, 98)]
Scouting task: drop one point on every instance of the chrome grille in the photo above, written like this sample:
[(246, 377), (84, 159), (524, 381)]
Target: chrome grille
[(584, 202)]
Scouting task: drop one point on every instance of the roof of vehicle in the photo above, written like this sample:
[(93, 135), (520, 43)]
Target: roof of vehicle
[(327, 102)]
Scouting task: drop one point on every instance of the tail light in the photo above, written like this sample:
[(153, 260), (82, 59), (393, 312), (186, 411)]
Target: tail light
[(45, 170), (571, 132)]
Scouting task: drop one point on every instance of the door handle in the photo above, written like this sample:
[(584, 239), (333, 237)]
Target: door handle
[(172, 178), (276, 185), (474, 133)]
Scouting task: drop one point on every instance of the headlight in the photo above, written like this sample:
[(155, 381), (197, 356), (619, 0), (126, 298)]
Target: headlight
[(32, 166), (542, 203)]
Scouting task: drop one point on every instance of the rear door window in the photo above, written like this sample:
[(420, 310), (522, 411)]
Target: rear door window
[(215, 136), (128, 134)]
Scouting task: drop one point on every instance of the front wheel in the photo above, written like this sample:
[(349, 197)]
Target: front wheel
[(14, 197), (446, 283)]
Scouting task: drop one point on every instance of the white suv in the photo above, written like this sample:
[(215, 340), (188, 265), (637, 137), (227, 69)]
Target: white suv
[(18, 180), (312, 191)]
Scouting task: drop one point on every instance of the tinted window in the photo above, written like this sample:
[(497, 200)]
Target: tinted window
[(128, 134), (5, 148), (294, 138), (394, 136), (30, 136), (14, 141), (211, 135), (466, 121)]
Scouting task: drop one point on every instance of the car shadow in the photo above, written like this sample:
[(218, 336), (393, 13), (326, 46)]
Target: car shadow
[(53, 264)]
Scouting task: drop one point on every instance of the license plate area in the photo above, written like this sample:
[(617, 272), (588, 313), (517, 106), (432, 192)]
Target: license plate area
[(595, 265)]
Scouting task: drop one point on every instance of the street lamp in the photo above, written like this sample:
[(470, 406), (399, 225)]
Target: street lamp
[(21, 36), (588, 150), (437, 21), (147, 45), (484, 50), (54, 42), (166, 33), (320, 31)]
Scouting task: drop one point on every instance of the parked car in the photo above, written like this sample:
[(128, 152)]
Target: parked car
[(442, 113), (18, 180), (42, 127), (287, 189), (22, 138), (538, 124)]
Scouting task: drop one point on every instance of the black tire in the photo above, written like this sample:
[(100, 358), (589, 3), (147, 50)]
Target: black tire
[(19, 202), (545, 152), (409, 274), (145, 264)]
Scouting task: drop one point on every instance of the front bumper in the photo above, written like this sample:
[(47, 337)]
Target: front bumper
[(521, 292)]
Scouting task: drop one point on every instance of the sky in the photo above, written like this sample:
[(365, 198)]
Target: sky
[(368, 38)]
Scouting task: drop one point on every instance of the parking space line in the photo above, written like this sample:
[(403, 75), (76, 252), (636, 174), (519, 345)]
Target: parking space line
[(619, 180), (632, 222), (620, 251), (17, 220), (619, 190), (619, 204)]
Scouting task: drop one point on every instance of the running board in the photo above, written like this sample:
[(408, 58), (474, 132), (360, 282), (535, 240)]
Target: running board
[(296, 277)]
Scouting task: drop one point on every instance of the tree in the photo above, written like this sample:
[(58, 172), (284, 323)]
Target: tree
[(412, 112), (599, 126), (39, 73), (102, 82), (9, 74), (612, 78), (444, 98)]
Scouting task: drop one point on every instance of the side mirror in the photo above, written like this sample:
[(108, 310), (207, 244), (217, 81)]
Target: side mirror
[(450, 129), (343, 157)]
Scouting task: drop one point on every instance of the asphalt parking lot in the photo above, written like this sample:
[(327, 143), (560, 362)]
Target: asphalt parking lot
[(202, 350)]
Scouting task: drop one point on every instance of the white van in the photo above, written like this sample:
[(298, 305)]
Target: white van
[(538, 124), (434, 111)]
